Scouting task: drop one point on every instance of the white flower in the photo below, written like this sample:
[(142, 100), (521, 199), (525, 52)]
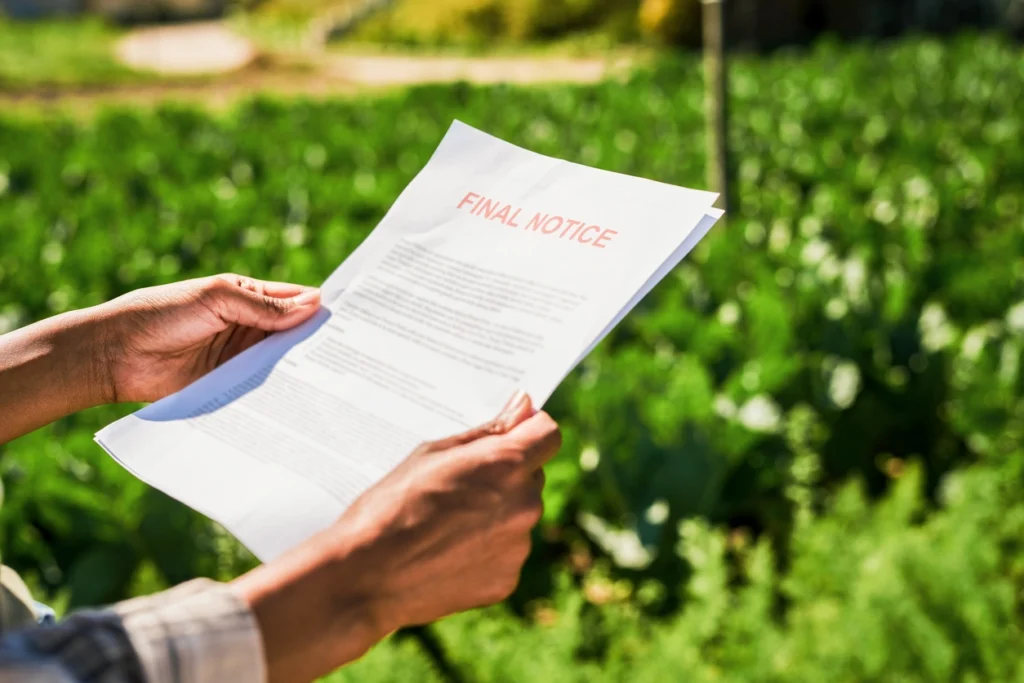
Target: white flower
[(729, 313), (590, 457), (52, 253), (724, 407), (1015, 318), (829, 268), (936, 331), (844, 385), (760, 414), (623, 545), (885, 212), (975, 340), (918, 188), (836, 309), (295, 235), (814, 251), (780, 237), (855, 281), (657, 513)]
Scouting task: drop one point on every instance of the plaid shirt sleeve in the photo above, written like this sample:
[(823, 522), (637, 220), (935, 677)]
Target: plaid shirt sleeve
[(199, 632)]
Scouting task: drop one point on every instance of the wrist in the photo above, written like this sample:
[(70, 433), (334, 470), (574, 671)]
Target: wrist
[(82, 343), (313, 608), (51, 369)]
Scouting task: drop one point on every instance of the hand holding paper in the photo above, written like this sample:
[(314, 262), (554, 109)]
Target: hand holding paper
[(445, 531), (497, 269)]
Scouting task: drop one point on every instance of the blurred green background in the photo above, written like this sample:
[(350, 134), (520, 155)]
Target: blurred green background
[(800, 459)]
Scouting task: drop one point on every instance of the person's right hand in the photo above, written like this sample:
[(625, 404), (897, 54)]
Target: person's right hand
[(446, 531), (450, 527)]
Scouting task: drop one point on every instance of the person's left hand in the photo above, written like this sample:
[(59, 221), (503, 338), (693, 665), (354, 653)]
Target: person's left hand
[(161, 339)]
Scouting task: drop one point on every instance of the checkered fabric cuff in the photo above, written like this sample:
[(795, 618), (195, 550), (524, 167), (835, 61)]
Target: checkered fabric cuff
[(198, 632)]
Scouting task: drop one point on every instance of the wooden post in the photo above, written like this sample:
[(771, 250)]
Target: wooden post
[(716, 95)]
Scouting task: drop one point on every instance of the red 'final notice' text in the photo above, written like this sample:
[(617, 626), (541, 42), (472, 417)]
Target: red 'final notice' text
[(554, 225)]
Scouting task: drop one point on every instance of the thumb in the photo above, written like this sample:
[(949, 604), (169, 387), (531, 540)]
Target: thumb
[(518, 409), (263, 305)]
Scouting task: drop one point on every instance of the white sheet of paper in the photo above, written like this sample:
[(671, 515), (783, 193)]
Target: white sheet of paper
[(497, 269)]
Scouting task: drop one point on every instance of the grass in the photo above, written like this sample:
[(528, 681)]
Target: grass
[(272, 33), (60, 54), (288, 34), (52, 56), (575, 46)]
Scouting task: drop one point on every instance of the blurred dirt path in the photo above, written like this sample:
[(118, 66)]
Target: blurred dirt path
[(387, 70), (209, 63), (185, 49)]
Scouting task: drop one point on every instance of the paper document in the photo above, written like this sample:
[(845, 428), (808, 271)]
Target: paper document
[(496, 269)]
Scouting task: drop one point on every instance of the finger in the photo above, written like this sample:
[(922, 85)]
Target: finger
[(244, 301), (539, 437), (518, 408), (283, 290), (276, 290)]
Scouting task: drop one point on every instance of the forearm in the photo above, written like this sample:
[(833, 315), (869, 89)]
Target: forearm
[(316, 610), (51, 369)]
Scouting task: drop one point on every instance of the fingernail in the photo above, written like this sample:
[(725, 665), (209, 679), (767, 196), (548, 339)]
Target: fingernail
[(512, 408), (307, 298)]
